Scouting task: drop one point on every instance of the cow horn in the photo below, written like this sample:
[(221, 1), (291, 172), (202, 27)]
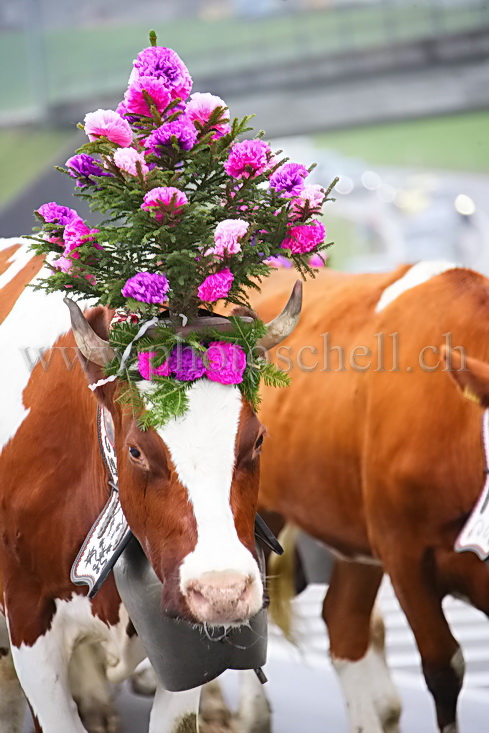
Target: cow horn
[(283, 325), (91, 346)]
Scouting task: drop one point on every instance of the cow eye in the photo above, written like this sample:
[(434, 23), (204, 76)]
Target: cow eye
[(135, 453), (259, 442)]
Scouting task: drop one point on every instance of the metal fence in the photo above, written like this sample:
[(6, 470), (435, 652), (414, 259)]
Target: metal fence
[(56, 52)]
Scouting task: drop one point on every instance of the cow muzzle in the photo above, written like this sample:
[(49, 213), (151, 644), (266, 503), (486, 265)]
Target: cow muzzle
[(223, 597)]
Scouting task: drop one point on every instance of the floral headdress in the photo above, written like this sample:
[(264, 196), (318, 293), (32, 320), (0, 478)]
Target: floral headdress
[(193, 216)]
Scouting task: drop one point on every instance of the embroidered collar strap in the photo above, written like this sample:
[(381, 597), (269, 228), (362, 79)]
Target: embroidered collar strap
[(110, 532), (474, 536)]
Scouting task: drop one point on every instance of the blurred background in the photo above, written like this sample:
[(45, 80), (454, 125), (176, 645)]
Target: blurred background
[(391, 95)]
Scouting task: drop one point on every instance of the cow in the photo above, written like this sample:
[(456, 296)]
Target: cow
[(376, 453), (188, 490)]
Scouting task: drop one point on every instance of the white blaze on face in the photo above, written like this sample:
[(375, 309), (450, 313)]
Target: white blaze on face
[(202, 447)]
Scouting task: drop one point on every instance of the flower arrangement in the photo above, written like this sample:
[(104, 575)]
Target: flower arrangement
[(193, 215)]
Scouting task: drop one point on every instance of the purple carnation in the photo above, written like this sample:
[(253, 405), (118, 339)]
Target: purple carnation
[(289, 179), (166, 65), (82, 167), (181, 128), (304, 237), (248, 158), (278, 261), (225, 362), (186, 364), (54, 213), (147, 287), (146, 368), (318, 260), (216, 286)]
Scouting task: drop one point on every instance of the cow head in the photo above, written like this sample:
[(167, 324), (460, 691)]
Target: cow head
[(189, 489)]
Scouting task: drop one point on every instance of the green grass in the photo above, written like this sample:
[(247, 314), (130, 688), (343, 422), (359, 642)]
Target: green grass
[(457, 142), (345, 237), (24, 154), (83, 61)]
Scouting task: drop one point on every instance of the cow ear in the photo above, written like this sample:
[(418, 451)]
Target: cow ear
[(97, 319), (471, 375)]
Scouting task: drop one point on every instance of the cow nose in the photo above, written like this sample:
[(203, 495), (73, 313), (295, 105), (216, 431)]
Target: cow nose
[(223, 597)]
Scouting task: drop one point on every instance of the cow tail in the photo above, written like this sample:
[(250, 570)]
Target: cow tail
[(281, 582)]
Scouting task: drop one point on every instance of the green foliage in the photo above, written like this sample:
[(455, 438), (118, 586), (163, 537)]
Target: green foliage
[(177, 241), (165, 397)]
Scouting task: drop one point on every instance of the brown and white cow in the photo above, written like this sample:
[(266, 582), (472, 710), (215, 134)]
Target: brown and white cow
[(376, 453), (189, 492)]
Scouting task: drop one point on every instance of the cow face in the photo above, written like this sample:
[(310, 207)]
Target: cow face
[(189, 490)]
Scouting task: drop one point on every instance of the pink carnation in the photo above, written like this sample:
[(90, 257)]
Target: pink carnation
[(304, 237), (200, 108), (134, 101), (147, 370), (63, 263), (110, 124), (227, 236), (126, 158), (164, 202), (216, 286), (77, 233), (248, 158), (225, 362), (313, 195)]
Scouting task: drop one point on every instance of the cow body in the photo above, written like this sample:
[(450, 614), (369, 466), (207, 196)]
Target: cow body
[(189, 491), (384, 463)]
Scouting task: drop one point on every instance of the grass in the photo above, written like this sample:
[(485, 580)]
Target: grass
[(24, 154), (456, 142), (344, 235), (82, 61)]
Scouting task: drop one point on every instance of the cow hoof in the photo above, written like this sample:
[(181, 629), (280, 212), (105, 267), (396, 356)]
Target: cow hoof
[(215, 716), (143, 681), (98, 721), (391, 720), (214, 727)]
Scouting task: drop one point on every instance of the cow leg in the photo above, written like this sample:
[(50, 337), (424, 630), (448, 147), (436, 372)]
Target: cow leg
[(143, 681), (42, 637), (43, 673), (415, 582), (12, 700), (175, 712), (254, 713), (357, 648), (90, 688)]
